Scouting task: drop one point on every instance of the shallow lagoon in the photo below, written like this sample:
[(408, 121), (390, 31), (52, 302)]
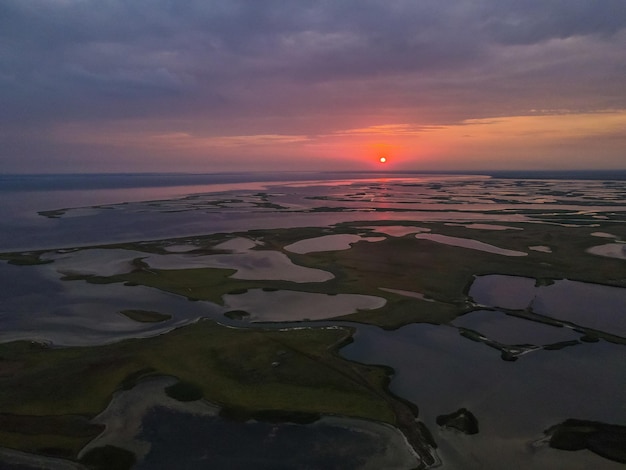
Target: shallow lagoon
[(163, 432), (469, 244), (97, 262), (268, 265), (510, 330), (165, 212), (442, 371), (238, 245), (610, 250), (328, 243), (583, 304), (288, 306), (218, 443), (39, 306)]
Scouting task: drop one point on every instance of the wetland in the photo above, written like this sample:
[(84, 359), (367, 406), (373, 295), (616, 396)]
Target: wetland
[(316, 324)]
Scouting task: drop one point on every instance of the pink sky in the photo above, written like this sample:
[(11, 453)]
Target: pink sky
[(240, 85)]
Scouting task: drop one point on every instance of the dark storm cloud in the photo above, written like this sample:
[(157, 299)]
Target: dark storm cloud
[(79, 59), (532, 21)]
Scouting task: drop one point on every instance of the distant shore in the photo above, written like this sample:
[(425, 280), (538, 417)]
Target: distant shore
[(71, 181)]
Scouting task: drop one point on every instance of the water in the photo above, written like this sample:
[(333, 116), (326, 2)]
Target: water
[(125, 208), (514, 403), (166, 433), (267, 265), (469, 244), (290, 306), (122, 213), (217, 443), (511, 330), (610, 250), (586, 305), (326, 243), (37, 305)]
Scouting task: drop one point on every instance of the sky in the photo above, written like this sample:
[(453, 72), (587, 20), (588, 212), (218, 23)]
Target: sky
[(249, 85)]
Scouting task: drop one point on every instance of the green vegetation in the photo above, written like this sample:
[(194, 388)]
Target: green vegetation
[(400, 311), (145, 316), (184, 391), (444, 273), (55, 435), (441, 272), (24, 259), (47, 396), (462, 420), (50, 393), (108, 457), (196, 284), (53, 214), (607, 440), (237, 314)]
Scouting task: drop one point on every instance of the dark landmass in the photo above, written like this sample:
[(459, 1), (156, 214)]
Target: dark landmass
[(145, 316), (265, 374), (462, 420), (606, 440)]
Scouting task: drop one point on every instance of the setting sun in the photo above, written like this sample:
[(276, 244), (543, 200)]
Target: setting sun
[(382, 159)]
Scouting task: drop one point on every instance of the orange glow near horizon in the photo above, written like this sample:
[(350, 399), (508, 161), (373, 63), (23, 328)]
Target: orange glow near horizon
[(533, 141)]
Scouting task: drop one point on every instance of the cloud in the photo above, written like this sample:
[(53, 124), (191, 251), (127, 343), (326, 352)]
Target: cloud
[(152, 53), (119, 137), (216, 69), (185, 140), (535, 21), (386, 130)]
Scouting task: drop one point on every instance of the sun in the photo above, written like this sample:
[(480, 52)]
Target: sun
[(382, 159)]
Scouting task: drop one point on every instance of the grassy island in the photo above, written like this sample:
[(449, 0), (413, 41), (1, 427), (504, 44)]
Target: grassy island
[(47, 395)]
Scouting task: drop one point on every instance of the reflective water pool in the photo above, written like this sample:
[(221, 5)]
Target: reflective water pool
[(325, 243), (514, 402), (268, 265), (468, 243), (285, 305), (37, 305), (587, 305)]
